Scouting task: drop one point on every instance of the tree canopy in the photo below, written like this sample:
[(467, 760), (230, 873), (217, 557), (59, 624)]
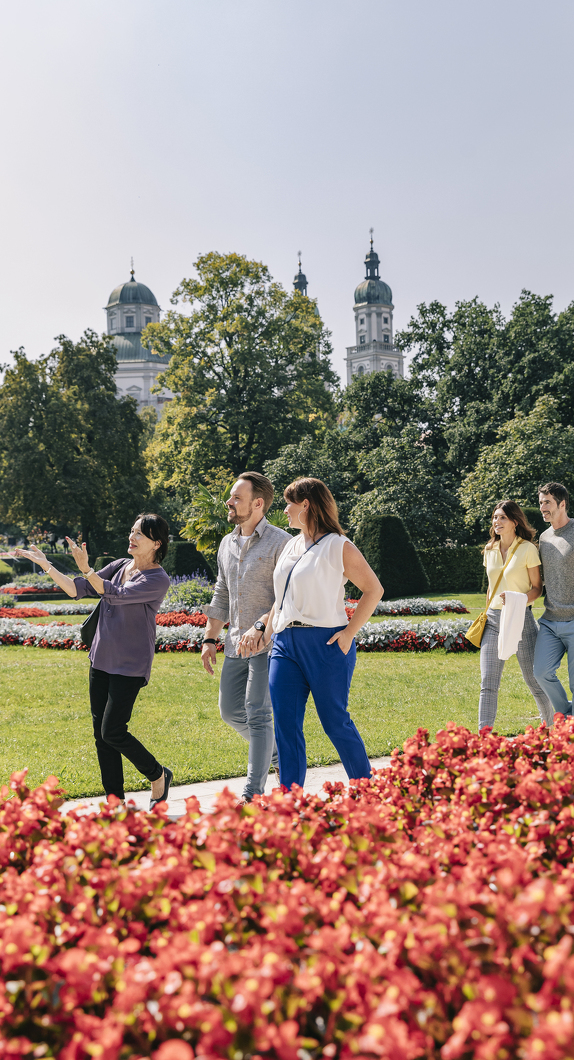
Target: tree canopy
[(249, 369), (70, 450)]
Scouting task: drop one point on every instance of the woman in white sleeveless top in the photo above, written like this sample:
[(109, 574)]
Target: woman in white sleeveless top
[(313, 642)]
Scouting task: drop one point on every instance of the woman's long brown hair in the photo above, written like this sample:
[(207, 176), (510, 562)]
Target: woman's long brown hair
[(323, 517), (514, 512)]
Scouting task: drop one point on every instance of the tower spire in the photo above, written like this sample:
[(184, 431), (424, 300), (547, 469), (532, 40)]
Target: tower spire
[(132, 270), (300, 281)]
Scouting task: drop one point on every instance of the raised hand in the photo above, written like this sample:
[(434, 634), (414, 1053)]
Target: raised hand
[(79, 554), (34, 554)]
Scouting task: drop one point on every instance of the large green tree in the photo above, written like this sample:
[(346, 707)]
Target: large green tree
[(531, 449), (70, 450), (477, 370), (406, 480), (249, 369)]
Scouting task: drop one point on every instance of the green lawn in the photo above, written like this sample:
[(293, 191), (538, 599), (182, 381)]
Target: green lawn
[(46, 721)]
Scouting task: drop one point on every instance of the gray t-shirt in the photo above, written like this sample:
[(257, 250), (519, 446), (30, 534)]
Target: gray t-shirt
[(557, 555)]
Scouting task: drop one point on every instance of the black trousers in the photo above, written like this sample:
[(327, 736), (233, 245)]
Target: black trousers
[(112, 697)]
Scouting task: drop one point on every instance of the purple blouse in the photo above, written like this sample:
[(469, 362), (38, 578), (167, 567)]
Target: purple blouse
[(125, 636)]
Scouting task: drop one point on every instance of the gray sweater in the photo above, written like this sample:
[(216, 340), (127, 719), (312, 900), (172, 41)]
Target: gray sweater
[(557, 555)]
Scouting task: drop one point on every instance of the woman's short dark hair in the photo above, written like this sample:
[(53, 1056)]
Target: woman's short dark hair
[(514, 512), (323, 515), (156, 528)]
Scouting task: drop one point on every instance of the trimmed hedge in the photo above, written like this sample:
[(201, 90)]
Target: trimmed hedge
[(102, 561), (534, 516), (387, 546), (183, 558), (450, 568)]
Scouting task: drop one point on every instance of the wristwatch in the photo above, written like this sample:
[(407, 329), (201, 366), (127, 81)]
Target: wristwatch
[(259, 626), (88, 573)]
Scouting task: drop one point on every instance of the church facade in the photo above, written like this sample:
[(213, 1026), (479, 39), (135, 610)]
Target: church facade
[(131, 307)]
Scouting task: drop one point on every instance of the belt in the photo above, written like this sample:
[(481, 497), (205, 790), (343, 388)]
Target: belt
[(305, 625)]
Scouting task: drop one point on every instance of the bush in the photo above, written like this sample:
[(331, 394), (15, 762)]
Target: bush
[(426, 913), (5, 577), (387, 546), (183, 558), (454, 568), (187, 593), (534, 516), (102, 561)]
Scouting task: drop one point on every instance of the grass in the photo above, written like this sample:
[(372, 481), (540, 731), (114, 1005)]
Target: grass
[(46, 721)]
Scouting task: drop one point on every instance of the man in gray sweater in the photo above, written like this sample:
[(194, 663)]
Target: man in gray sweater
[(556, 633)]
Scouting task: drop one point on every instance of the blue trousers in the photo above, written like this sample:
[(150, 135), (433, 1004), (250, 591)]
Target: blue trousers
[(301, 662), (553, 640)]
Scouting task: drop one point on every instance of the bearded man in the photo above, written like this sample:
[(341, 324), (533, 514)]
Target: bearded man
[(244, 589)]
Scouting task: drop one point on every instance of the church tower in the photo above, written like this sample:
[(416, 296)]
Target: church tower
[(374, 350), (300, 281), (131, 307)]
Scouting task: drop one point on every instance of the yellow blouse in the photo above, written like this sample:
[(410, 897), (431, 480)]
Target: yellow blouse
[(515, 578)]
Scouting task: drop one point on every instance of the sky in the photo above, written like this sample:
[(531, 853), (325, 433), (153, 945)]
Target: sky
[(162, 129)]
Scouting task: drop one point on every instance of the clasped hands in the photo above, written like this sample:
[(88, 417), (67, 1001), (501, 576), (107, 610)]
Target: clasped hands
[(251, 642)]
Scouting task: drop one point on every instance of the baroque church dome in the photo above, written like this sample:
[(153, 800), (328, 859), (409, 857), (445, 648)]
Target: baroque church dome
[(373, 290), (132, 293)]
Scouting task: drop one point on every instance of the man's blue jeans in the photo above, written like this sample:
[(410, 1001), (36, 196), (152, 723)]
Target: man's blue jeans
[(245, 704), (553, 640)]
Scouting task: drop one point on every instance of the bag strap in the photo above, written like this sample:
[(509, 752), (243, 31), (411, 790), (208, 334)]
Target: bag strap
[(296, 562), (499, 579)]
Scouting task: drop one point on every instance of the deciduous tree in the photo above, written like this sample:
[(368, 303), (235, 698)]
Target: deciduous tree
[(249, 369), (70, 450)]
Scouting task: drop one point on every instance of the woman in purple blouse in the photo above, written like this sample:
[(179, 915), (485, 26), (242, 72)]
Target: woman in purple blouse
[(131, 591)]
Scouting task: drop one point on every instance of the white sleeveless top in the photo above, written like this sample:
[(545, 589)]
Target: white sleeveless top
[(316, 591)]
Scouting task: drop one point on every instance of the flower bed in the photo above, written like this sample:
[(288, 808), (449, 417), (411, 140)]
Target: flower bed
[(394, 635), (427, 913), (181, 618), (24, 590), (399, 635), (414, 606), (75, 608), (24, 612)]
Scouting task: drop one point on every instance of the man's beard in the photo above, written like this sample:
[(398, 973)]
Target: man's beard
[(237, 520)]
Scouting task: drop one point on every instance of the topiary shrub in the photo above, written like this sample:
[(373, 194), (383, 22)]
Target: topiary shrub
[(387, 546), (454, 569), (534, 516), (183, 558), (102, 561)]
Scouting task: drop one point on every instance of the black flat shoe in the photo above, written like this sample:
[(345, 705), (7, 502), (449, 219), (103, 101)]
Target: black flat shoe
[(167, 779)]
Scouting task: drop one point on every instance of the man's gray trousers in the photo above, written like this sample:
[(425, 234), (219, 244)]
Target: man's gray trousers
[(245, 704)]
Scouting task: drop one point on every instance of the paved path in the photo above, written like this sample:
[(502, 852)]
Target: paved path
[(208, 791)]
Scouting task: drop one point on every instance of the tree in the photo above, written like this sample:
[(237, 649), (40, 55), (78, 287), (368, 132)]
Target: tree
[(406, 482), (70, 450), (249, 369), (331, 458), (531, 450), (207, 521)]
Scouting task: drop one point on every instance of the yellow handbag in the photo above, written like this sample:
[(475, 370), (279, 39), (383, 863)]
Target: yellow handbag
[(475, 631)]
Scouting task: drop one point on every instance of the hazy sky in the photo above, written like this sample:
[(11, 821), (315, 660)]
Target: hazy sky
[(166, 128)]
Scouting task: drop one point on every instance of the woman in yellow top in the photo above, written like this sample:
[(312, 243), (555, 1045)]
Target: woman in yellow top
[(510, 533)]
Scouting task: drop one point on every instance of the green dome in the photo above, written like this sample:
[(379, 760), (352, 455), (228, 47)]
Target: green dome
[(374, 292), (129, 348), (132, 293)]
